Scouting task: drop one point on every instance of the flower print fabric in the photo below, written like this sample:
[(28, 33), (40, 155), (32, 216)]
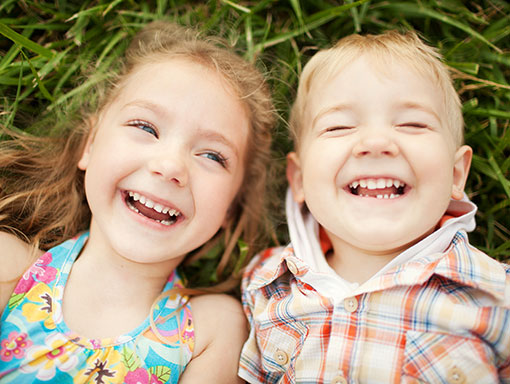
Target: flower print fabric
[(37, 347)]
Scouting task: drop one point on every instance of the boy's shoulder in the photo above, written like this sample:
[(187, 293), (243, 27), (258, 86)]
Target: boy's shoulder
[(469, 266), (266, 266)]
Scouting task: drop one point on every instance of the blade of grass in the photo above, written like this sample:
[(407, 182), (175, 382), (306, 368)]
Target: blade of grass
[(78, 90), (421, 11), (504, 182), (111, 44), (317, 20), (14, 106), (38, 80), (237, 6), (24, 42)]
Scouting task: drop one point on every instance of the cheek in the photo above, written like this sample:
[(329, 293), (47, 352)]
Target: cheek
[(435, 174), (216, 195)]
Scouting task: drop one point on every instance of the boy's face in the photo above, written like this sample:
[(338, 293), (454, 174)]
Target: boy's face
[(377, 165)]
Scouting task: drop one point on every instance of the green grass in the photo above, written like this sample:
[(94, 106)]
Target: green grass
[(48, 46)]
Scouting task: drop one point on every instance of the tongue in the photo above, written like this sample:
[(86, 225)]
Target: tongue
[(149, 212), (378, 191)]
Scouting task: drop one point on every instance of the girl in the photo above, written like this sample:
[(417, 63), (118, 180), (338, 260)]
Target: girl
[(172, 158)]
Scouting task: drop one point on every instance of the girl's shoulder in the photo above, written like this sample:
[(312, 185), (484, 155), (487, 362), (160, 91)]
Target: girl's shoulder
[(220, 332), (15, 258), (215, 316)]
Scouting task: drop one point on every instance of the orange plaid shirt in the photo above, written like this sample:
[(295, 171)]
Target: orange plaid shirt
[(442, 318)]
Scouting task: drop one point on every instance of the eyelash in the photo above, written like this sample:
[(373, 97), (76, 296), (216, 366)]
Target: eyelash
[(414, 125), (218, 157), (145, 126), (338, 128)]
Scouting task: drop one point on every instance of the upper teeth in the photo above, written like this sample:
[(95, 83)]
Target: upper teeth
[(379, 183), (151, 204)]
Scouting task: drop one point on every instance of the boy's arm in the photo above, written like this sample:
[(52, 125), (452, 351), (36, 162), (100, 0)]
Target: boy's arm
[(15, 257), (220, 331)]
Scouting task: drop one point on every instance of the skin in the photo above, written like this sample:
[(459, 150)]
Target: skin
[(153, 139), (363, 125)]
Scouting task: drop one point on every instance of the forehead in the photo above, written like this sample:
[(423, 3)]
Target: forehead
[(366, 81), (384, 64), (181, 92)]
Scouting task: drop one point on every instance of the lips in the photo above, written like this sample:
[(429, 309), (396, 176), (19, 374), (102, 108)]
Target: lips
[(380, 188), (146, 207)]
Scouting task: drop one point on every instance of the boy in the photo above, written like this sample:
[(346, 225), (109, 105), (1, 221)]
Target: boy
[(379, 283)]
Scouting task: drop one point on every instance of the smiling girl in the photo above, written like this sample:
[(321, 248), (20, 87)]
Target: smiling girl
[(171, 157)]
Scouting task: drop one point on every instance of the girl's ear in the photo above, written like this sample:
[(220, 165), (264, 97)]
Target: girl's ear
[(295, 177), (85, 156), (460, 171)]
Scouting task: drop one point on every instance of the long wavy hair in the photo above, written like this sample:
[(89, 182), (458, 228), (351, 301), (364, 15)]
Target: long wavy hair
[(42, 196)]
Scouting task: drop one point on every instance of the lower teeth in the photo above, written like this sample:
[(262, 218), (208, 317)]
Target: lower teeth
[(134, 209)]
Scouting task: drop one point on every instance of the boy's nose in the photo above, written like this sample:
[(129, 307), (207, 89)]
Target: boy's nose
[(170, 168), (375, 143)]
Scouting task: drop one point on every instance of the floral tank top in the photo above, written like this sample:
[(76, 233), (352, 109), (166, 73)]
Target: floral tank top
[(37, 347)]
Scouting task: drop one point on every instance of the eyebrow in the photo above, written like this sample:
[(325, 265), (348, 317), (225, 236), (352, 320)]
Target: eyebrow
[(218, 137), (146, 105), (204, 133), (328, 110), (401, 105), (420, 107)]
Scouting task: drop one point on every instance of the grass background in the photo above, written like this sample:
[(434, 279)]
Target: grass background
[(48, 47)]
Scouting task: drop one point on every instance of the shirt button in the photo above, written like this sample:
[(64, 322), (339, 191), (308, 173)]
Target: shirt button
[(292, 267), (350, 304), (339, 380), (281, 357), (456, 376)]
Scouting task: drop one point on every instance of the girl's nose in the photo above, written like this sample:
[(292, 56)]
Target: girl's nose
[(377, 143), (170, 168)]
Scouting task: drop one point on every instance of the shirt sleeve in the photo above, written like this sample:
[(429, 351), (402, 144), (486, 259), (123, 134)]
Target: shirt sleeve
[(250, 365)]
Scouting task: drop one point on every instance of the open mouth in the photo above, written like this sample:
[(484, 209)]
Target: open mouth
[(151, 210), (380, 188)]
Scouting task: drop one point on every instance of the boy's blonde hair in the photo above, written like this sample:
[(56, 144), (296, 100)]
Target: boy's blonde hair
[(42, 197), (383, 49)]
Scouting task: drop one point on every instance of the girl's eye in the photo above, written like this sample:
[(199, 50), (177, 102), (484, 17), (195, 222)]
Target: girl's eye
[(216, 156), (338, 128), (145, 126)]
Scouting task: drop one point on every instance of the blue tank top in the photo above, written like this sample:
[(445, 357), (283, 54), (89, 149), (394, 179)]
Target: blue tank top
[(36, 346)]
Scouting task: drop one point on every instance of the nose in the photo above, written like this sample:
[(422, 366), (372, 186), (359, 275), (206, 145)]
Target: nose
[(376, 142), (171, 168)]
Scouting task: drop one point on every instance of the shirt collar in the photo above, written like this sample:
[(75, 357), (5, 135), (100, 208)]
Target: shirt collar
[(461, 263), (445, 252)]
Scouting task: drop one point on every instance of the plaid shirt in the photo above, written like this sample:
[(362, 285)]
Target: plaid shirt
[(442, 318)]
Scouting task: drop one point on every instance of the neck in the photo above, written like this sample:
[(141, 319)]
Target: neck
[(355, 264), (122, 291), (122, 275)]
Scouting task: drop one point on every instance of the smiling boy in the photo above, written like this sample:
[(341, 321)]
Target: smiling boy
[(379, 283)]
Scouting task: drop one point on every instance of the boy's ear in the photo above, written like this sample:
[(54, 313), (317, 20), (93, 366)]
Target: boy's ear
[(295, 177), (460, 170), (85, 156)]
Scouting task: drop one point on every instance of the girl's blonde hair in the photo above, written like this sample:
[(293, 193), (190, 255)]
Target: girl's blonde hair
[(384, 48), (42, 196)]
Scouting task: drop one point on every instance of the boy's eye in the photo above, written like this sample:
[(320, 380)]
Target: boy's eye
[(414, 125), (217, 157), (145, 126), (338, 130)]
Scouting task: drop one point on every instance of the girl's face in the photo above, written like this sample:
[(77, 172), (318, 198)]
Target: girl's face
[(165, 163)]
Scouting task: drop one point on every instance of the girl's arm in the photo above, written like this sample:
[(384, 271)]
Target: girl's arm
[(15, 257), (220, 332)]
